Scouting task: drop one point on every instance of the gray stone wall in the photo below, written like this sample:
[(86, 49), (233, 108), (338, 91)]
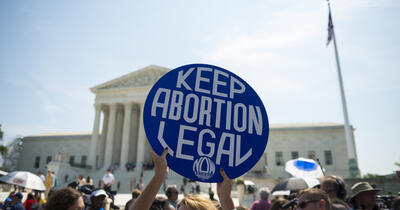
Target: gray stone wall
[(302, 139), (284, 139), (61, 146)]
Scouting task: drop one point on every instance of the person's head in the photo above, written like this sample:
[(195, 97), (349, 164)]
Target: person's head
[(136, 193), (363, 195), (211, 195), (80, 177), (18, 197), (334, 186), (12, 193), (194, 202), (48, 172), (30, 196), (172, 193), (98, 198), (65, 199), (264, 193), (396, 203), (51, 191), (313, 199), (88, 179), (108, 171), (278, 203), (38, 195), (160, 203), (40, 173)]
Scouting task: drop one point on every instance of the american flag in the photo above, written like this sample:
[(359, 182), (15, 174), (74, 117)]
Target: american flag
[(330, 29)]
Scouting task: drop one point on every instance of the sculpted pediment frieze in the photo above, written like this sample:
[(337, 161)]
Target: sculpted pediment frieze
[(141, 78)]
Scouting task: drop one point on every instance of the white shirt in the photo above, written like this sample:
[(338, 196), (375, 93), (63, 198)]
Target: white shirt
[(42, 177), (108, 178)]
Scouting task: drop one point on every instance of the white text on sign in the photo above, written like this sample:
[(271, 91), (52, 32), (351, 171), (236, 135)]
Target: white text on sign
[(196, 109)]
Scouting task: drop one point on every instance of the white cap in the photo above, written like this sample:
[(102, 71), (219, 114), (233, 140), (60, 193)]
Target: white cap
[(98, 192)]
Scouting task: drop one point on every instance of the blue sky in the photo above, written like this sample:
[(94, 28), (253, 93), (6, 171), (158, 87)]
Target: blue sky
[(52, 52)]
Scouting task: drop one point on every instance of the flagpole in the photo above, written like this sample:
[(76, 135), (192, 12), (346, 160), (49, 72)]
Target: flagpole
[(353, 166)]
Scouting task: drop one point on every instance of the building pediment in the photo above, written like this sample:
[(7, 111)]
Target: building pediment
[(145, 77)]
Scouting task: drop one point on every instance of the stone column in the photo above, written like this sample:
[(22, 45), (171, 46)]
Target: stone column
[(126, 134), (103, 139), (110, 136), (141, 140), (95, 137), (133, 141), (117, 140)]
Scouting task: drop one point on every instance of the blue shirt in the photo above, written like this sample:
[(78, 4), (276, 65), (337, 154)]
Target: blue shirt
[(18, 206), (7, 202)]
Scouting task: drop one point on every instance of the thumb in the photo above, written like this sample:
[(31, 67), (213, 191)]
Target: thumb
[(223, 174), (164, 154)]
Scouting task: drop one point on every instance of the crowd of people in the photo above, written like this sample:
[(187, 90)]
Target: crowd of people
[(33, 201), (330, 194)]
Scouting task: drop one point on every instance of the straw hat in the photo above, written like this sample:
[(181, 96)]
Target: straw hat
[(361, 187)]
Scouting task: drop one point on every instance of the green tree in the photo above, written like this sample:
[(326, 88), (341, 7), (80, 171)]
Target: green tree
[(3, 151), (372, 176)]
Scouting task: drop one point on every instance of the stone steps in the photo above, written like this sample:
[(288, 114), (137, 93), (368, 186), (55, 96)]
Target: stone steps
[(126, 179)]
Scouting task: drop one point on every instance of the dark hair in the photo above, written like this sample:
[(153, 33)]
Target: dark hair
[(37, 195), (136, 193), (396, 203), (51, 191), (18, 195), (168, 191), (12, 193), (278, 203), (159, 203), (30, 196), (62, 199), (338, 185)]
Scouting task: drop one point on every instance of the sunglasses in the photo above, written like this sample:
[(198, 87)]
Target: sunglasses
[(303, 204)]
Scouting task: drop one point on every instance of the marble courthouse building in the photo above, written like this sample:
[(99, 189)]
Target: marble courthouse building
[(118, 139)]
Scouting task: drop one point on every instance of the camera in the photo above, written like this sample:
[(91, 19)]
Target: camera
[(86, 191), (384, 201), (290, 204)]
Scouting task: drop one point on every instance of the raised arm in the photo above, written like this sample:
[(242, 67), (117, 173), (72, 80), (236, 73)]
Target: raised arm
[(145, 199), (224, 189)]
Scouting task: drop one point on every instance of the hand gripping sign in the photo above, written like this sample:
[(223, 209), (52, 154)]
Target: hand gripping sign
[(209, 118)]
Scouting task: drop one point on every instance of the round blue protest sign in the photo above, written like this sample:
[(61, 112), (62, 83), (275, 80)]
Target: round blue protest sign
[(209, 118)]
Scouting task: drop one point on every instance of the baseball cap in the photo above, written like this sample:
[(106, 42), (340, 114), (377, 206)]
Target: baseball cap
[(98, 193), (18, 195)]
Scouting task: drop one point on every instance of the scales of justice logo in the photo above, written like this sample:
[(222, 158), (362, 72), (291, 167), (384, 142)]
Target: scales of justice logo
[(204, 168), (208, 118)]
